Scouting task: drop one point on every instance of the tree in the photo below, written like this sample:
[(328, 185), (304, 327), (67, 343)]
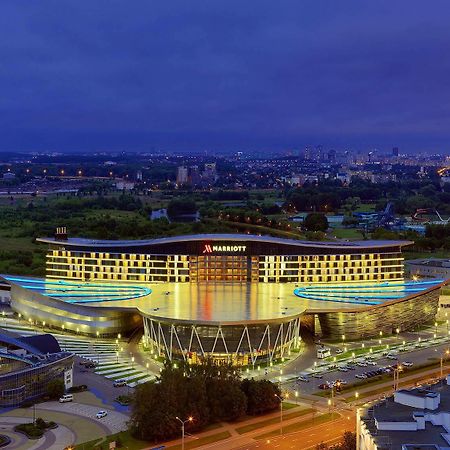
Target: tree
[(316, 222), (348, 441), (226, 399), (181, 206), (55, 388), (261, 396)]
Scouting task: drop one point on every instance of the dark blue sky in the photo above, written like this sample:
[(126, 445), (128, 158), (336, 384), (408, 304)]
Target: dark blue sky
[(188, 74)]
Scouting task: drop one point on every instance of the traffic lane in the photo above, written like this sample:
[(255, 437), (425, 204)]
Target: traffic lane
[(417, 357), (307, 438)]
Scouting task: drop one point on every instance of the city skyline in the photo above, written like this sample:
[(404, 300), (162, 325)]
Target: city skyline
[(223, 77)]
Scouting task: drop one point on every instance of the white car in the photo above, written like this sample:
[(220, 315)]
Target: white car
[(407, 364), (361, 376), (302, 378), (101, 414), (339, 351), (317, 375), (372, 363)]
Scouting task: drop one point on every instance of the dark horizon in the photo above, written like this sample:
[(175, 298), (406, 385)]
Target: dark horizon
[(195, 76)]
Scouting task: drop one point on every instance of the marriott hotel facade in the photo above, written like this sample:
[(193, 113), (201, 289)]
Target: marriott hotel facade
[(223, 258), (233, 297)]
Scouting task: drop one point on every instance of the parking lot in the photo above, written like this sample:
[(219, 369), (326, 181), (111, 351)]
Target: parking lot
[(368, 366)]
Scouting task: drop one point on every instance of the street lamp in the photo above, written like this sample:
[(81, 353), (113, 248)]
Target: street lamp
[(446, 353), (397, 371), (183, 422), (281, 398)]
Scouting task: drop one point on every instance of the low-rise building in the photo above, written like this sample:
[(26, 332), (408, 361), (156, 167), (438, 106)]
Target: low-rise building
[(416, 419), (28, 364), (428, 267)]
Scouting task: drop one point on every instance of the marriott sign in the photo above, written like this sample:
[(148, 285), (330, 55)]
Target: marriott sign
[(212, 248)]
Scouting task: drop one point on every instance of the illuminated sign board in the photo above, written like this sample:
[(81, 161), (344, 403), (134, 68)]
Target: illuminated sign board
[(212, 248)]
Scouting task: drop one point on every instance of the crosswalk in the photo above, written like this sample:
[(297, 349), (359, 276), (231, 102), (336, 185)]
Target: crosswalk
[(110, 361)]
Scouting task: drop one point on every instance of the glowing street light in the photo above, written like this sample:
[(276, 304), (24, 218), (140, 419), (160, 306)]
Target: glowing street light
[(281, 398), (183, 422)]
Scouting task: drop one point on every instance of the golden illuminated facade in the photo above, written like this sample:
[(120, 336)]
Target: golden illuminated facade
[(244, 259)]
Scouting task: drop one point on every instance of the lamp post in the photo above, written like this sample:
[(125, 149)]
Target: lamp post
[(183, 423), (281, 398), (444, 354), (397, 371)]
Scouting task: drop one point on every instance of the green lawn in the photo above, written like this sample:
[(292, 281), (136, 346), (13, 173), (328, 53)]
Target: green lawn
[(346, 233), (203, 441), (273, 420)]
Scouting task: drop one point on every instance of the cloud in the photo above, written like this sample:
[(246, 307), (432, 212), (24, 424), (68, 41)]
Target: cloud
[(259, 74)]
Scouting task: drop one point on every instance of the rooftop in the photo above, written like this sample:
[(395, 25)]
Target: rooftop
[(390, 411), (82, 242)]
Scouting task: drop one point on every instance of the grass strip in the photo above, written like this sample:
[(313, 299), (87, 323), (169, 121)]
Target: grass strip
[(272, 421), (203, 440)]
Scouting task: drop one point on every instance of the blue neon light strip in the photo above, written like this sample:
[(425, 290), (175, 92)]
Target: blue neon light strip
[(367, 294), (73, 292)]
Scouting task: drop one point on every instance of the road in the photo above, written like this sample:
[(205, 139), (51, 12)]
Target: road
[(304, 439)]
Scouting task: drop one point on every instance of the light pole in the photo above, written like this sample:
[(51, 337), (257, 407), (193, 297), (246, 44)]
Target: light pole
[(397, 371), (183, 422), (281, 398), (446, 353)]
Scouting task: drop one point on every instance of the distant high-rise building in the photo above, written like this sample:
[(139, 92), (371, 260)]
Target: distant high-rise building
[(210, 171), (395, 152), (319, 153), (182, 175), (194, 176), (309, 153), (332, 156), (139, 175)]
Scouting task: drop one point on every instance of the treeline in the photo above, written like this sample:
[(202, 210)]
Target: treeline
[(436, 237), (208, 393), (407, 196)]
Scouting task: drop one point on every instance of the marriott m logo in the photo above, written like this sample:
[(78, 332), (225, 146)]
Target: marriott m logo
[(207, 249)]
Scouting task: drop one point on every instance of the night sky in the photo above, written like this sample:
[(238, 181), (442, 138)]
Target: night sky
[(224, 75)]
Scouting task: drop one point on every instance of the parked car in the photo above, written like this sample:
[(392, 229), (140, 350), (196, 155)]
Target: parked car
[(317, 375), (101, 414), (407, 363), (66, 398), (119, 383), (338, 351), (361, 376), (324, 386), (302, 378)]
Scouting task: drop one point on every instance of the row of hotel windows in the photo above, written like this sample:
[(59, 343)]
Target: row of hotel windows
[(268, 258), (181, 268), (394, 275)]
